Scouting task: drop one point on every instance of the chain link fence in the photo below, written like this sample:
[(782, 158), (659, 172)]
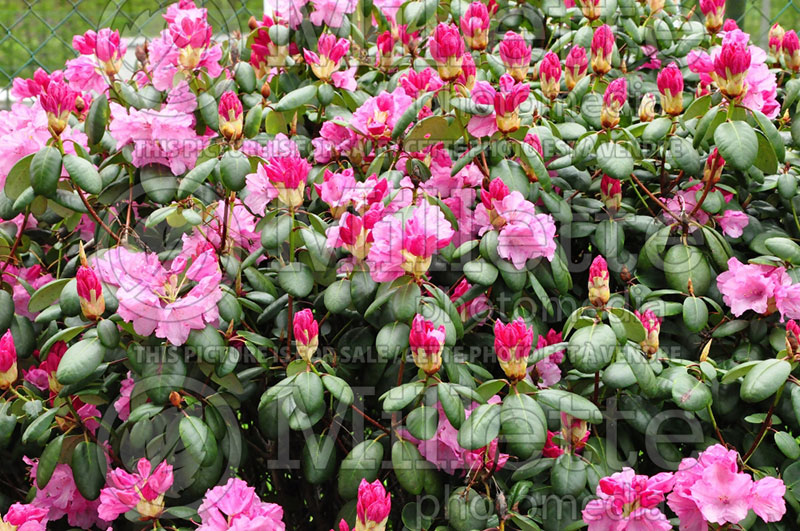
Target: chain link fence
[(38, 33)]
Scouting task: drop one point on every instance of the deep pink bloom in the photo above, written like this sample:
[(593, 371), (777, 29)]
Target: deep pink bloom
[(149, 294), (426, 342), (337, 190), (512, 343), (599, 291), (373, 506), (477, 306), (516, 55), (732, 63), (60, 497), (58, 101), (616, 93), (776, 34), (283, 177), (547, 370), (468, 72), (24, 518), (611, 192), (30, 88), (334, 140), (105, 44), (790, 46), (652, 327), (729, 25), (231, 116), (475, 25), (143, 491), (236, 506), (325, 65), (670, 85), (190, 29), (378, 115), (306, 333), (415, 84), (8, 360), (629, 501), (714, 11), (602, 48), (447, 49), (90, 292), (550, 75), (575, 66), (405, 246), (354, 233)]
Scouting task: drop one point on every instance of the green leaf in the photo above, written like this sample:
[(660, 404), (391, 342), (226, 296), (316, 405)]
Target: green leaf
[(79, 361), (730, 328), (481, 427), (158, 183), (245, 76), (48, 461), (739, 371), (784, 248), (39, 425), (615, 160), (405, 302), (422, 422), (338, 388), (634, 329), (570, 403), (689, 393), (96, 119), (684, 263), (481, 272), (233, 170), (296, 279), (296, 98), (88, 469), (197, 176), (83, 173), (452, 405), (656, 130), (45, 170), (397, 398), (641, 368), (319, 458), (695, 313), (46, 295), (591, 348), (764, 380), (198, 440), (363, 462), (684, 156), (409, 115), (18, 178), (522, 423), (308, 394), (787, 444), (409, 466), (568, 475), (737, 143)]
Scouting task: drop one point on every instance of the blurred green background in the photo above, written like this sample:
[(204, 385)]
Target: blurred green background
[(38, 33)]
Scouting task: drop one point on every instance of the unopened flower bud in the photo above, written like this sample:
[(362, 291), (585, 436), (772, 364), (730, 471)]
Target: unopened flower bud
[(426, 344), (512, 343), (306, 333), (599, 291)]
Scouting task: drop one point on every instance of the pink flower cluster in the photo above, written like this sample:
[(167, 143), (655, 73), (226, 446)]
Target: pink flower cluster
[(759, 287), (236, 506)]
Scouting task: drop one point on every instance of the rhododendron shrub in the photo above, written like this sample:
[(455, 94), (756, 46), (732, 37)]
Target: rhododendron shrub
[(405, 265)]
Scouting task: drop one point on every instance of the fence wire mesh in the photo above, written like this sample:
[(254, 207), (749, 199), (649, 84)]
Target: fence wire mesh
[(38, 33)]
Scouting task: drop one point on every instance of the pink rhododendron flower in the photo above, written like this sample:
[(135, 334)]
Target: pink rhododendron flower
[(335, 140), (331, 12), (24, 518), (31, 88), (288, 11), (142, 490), (516, 55), (8, 360), (236, 506), (306, 333), (602, 48), (166, 136), (575, 66), (123, 404), (512, 344), (60, 497), (547, 370), (373, 506), (404, 244), (474, 25), (756, 287), (630, 501), (378, 115), (711, 489), (354, 233), (476, 307), (325, 64), (447, 49), (150, 296), (415, 84), (426, 342)]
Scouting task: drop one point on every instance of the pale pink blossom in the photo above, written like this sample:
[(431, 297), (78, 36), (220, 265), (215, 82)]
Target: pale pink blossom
[(334, 140), (236, 506), (331, 12), (548, 370), (378, 115), (752, 286)]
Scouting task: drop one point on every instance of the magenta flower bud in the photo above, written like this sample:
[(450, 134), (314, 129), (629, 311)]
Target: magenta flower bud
[(497, 192), (385, 43), (373, 506), (792, 339), (713, 168), (105, 45), (670, 85), (230, 116), (550, 75), (776, 33), (447, 49), (516, 55), (331, 52), (731, 65), (652, 326), (611, 192), (192, 36), (576, 65), (426, 344), (468, 72), (790, 46), (90, 292), (58, 101), (512, 343), (534, 141), (714, 11), (591, 9), (354, 235), (306, 334), (475, 25), (507, 101), (288, 175), (602, 48), (599, 291), (8, 361), (614, 98)]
